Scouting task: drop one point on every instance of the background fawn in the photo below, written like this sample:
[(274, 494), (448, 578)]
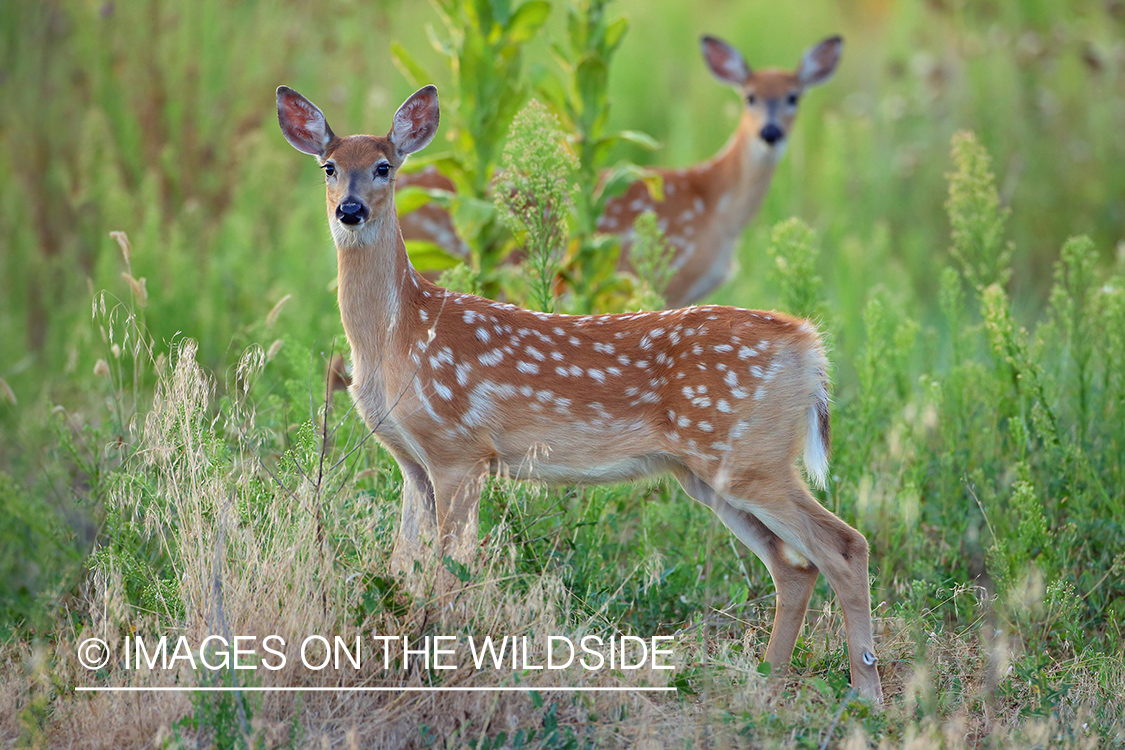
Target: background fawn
[(705, 207)]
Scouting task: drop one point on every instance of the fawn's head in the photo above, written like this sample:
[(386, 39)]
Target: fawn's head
[(771, 96), (359, 170)]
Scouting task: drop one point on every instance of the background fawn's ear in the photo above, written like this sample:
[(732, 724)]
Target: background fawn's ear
[(416, 121), (726, 63), (302, 124), (819, 62)]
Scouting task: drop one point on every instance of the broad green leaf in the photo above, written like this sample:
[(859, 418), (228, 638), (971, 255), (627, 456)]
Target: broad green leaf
[(576, 29), (470, 214), (639, 138), (501, 11), (547, 85), (591, 78), (449, 164), (619, 178), (408, 66), (614, 34), (428, 256), (527, 21), (559, 55), (655, 183), (412, 198), (440, 45)]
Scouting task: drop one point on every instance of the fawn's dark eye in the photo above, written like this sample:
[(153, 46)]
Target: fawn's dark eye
[(751, 98), (792, 98), (382, 170), (329, 169)]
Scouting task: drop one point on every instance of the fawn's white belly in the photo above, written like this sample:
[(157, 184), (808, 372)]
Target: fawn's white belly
[(579, 453), (544, 468)]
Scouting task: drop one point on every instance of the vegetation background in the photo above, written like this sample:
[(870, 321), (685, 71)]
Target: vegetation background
[(164, 466)]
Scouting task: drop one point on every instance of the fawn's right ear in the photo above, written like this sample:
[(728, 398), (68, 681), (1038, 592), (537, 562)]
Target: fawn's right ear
[(819, 62), (416, 121), (726, 63), (302, 124)]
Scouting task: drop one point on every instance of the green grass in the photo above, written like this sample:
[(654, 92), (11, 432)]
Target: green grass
[(170, 446)]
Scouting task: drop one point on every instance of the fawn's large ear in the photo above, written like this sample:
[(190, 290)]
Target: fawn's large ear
[(819, 62), (302, 124), (725, 61), (416, 121)]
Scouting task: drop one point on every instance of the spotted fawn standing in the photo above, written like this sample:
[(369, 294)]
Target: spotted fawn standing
[(457, 387)]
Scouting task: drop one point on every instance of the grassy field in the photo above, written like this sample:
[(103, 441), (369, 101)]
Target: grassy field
[(950, 211)]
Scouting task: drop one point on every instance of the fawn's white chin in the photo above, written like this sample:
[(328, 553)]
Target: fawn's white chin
[(353, 235), (766, 152)]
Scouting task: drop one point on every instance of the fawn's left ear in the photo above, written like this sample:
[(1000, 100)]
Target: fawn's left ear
[(302, 124), (726, 63), (819, 62), (416, 121)]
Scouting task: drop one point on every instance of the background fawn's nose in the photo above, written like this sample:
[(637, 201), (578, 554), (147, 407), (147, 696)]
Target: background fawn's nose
[(771, 134)]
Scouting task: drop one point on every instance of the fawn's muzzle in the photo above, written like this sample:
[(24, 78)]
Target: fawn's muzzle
[(771, 133), (351, 212)]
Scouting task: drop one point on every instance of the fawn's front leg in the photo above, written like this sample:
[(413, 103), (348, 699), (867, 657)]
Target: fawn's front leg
[(417, 536), (457, 502)]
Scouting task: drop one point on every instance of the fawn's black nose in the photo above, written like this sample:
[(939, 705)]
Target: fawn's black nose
[(351, 212), (771, 134)]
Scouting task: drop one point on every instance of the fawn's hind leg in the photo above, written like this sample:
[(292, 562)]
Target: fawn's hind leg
[(793, 580), (807, 530)]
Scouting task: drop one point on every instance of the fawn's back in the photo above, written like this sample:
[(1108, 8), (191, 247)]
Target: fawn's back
[(601, 398)]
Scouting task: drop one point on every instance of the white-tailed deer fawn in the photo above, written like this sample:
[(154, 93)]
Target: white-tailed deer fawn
[(458, 387), (706, 206)]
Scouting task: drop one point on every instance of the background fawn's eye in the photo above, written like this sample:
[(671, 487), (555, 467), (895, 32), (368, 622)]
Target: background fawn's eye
[(792, 99), (751, 98)]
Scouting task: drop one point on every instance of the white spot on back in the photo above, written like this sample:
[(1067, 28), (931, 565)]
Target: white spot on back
[(491, 358)]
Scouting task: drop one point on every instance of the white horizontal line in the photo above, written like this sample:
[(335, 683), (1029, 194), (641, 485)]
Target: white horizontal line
[(420, 689)]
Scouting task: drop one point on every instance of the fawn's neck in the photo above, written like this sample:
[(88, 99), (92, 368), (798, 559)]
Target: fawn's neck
[(741, 175), (376, 285)]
